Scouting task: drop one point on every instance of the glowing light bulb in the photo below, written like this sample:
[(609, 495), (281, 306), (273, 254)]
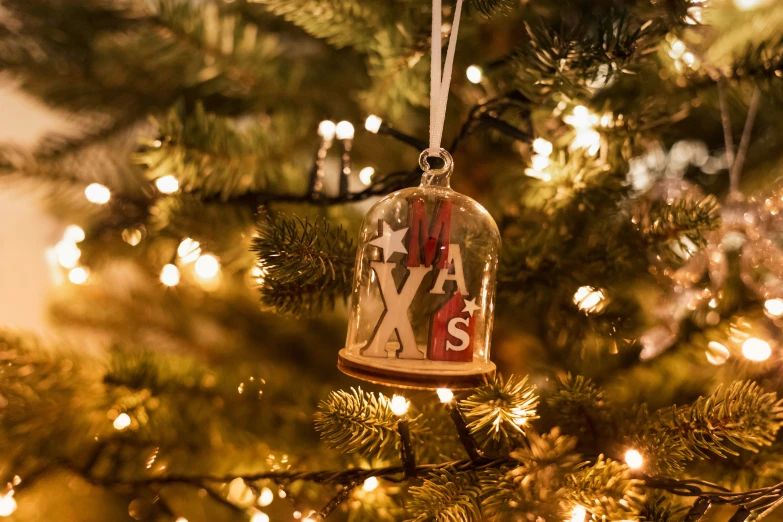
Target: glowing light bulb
[(97, 193), (122, 421), (580, 118), (540, 162), (774, 307), (445, 395), (399, 405), (587, 138), (169, 275), (189, 250), (68, 253), (326, 129), (207, 267), (756, 349), (74, 233), (7, 504), (542, 146), (181, 519), (474, 74), (366, 174), (266, 497), (260, 516), (533, 173), (167, 184), (371, 484), (748, 5), (309, 518), (588, 299), (716, 353), (373, 123), (78, 275), (578, 514), (344, 130), (634, 459)]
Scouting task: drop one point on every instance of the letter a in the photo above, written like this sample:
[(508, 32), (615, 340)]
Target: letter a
[(455, 260), (395, 316)]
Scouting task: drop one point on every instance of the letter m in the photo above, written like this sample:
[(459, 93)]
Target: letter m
[(433, 239)]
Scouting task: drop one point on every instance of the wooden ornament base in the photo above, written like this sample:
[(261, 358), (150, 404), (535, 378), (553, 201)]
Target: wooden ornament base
[(462, 376)]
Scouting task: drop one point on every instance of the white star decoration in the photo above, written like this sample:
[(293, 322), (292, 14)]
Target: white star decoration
[(471, 306), (390, 241)]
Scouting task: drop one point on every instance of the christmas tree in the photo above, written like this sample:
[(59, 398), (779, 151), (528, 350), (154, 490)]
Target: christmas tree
[(211, 202)]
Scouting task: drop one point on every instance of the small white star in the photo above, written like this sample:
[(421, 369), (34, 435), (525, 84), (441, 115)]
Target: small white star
[(390, 241), (471, 306)]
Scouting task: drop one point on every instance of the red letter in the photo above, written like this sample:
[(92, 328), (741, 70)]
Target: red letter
[(436, 236)]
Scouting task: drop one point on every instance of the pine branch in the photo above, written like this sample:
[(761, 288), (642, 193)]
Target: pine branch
[(578, 406), (606, 489), (446, 495), (360, 422), (308, 266), (498, 411)]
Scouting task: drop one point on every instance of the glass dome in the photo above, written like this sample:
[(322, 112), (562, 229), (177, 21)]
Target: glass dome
[(423, 289)]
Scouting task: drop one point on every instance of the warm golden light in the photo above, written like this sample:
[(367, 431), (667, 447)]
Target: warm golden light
[(578, 514), (748, 5), (634, 459), (774, 307), (189, 250), (716, 353), (755, 349), (97, 193), (7, 504), (542, 146), (344, 130), (78, 275), (74, 233), (474, 74), (373, 123), (326, 129), (588, 298), (169, 275), (67, 253), (122, 421), (207, 267), (181, 519), (445, 395), (539, 162), (399, 405), (167, 184), (259, 516), (266, 497), (366, 174), (371, 484)]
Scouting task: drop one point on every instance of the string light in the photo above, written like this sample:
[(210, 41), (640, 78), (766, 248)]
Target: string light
[(589, 299), (7, 504), (586, 137), (259, 516), (371, 484), (266, 497), (578, 514), (634, 459), (373, 123), (97, 193), (399, 405), (748, 5), (366, 174), (189, 250), (169, 275), (207, 267), (344, 130), (167, 184), (445, 395), (181, 519), (756, 349), (74, 233), (540, 162), (474, 74), (67, 253), (774, 307), (78, 275), (326, 129), (122, 421), (542, 146), (716, 353)]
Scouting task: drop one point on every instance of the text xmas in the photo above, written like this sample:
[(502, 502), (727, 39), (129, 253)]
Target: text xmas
[(429, 249)]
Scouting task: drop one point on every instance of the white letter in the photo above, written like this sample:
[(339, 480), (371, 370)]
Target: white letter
[(395, 317), (462, 335)]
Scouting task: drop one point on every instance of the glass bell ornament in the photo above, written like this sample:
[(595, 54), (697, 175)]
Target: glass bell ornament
[(424, 288)]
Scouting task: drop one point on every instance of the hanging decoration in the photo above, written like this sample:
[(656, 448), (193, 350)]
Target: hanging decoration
[(424, 281)]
